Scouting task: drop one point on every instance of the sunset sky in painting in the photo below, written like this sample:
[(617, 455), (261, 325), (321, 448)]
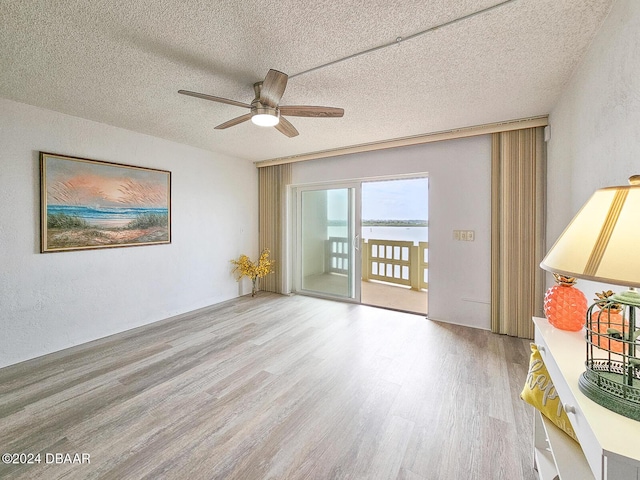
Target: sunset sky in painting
[(93, 184)]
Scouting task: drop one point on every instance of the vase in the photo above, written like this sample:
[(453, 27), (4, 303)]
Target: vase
[(564, 305), (254, 286)]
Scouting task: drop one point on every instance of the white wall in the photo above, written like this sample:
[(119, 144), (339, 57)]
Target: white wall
[(53, 301), (459, 199), (595, 125)]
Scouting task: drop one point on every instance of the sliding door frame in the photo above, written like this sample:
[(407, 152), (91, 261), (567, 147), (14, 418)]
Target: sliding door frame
[(354, 235)]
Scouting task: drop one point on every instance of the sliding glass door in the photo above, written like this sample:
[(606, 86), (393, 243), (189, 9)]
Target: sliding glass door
[(363, 241), (328, 241)]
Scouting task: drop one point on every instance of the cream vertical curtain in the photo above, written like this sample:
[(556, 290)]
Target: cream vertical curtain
[(273, 183), (518, 230)]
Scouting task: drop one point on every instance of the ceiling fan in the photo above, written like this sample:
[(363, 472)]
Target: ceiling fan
[(265, 108)]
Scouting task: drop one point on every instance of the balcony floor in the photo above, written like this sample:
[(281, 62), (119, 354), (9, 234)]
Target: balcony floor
[(373, 293), (396, 297)]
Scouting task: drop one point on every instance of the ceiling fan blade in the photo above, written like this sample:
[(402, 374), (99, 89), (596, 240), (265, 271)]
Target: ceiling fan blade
[(308, 111), (214, 99), (234, 121), (285, 127), (273, 88)]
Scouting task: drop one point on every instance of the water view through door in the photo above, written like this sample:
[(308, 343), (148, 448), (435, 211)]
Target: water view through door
[(395, 248), (364, 241)]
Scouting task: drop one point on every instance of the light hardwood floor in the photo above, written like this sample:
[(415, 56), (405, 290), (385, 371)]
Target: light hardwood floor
[(276, 387)]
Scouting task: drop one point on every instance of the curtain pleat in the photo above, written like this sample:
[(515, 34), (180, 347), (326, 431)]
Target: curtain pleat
[(517, 230), (273, 181)]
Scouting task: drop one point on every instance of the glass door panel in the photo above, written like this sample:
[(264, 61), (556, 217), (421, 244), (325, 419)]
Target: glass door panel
[(326, 246)]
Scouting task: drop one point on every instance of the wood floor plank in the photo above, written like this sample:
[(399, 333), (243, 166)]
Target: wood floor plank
[(393, 441), (405, 474), (276, 387)]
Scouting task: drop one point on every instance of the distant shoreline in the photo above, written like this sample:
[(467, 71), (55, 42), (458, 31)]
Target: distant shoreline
[(383, 223)]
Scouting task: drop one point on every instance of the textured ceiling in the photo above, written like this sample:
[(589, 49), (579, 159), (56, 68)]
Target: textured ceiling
[(121, 63)]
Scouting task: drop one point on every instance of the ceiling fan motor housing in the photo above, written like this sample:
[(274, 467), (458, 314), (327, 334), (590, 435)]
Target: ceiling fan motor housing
[(257, 108)]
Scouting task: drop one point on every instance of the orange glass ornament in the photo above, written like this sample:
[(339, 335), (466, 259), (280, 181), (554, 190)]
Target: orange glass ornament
[(564, 305), (608, 322)]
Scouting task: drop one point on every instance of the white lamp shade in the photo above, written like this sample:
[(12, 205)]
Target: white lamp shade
[(602, 242)]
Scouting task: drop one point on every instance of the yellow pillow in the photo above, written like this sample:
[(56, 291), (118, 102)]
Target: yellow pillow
[(540, 392)]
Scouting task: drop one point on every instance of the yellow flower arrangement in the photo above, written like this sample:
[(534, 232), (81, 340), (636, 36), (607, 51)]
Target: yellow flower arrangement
[(244, 267)]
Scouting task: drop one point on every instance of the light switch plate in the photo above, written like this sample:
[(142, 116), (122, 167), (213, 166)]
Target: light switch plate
[(464, 235)]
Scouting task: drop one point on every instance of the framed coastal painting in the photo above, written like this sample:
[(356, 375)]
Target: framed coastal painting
[(89, 204)]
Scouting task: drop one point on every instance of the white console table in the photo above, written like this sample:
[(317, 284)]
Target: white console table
[(609, 443)]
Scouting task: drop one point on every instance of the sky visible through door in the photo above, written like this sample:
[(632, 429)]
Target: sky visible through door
[(396, 209)]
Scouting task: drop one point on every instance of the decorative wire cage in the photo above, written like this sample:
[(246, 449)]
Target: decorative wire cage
[(612, 376)]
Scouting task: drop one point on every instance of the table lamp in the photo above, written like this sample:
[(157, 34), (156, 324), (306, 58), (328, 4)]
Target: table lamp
[(602, 243)]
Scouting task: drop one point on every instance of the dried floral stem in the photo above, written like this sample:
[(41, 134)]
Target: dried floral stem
[(244, 267)]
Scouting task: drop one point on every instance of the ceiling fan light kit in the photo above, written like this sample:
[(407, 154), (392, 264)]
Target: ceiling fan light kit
[(265, 109), (265, 117)]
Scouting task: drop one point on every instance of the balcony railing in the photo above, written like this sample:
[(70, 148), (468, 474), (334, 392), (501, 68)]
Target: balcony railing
[(337, 255), (391, 261)]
